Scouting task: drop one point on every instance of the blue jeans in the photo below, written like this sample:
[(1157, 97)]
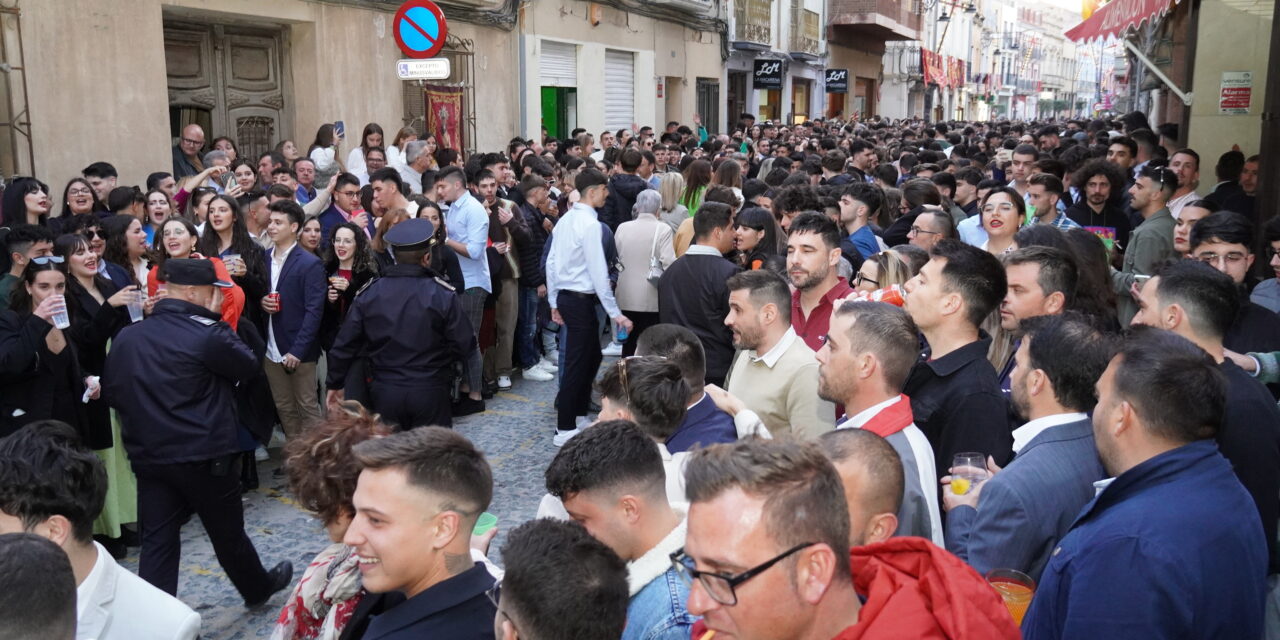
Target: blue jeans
[(528, 347)]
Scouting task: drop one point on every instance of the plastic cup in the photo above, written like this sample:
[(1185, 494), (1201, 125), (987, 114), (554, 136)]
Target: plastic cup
[(135, 306), (1015, 588), (485, 523), (60, 318)]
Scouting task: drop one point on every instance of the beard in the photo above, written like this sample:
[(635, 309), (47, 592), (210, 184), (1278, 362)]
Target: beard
[(746, 338), (804, 280)]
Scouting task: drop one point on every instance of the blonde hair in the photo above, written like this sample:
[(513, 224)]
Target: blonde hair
[(671, 186), (893, 269)]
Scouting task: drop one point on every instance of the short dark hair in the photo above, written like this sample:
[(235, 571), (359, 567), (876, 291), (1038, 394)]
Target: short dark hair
[(21, 236), (273, 191), (99, 170), (679, 345), (289, 208), (942, 179), (1026, 150), (1270, 230), (614, 455), (1210, 298), (1151, 362), (1142, 138), (1058, 271), (765, 287), (1050, 182), (438, 460), (653, 388), (1188, 152), (918, 191), (881, 466), (37, 589), (45, 471), (346, 179), (802, 493), (631, 160), (710, 216), (889, 333), (450, 173), (970, 175), (1166, 179), (562, 583), (1125, 141), (868, 194), (1072, 352), (975, 274), (154, 179), (389, 174), (285, 171), (833, 161), (819, 224), (588, 178), (1223, 226)]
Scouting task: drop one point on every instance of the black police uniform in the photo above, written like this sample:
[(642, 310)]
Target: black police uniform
[(411, 327), (171, 377)]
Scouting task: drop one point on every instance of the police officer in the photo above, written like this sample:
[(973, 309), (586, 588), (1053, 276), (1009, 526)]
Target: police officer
[(411, 325), (171, 378)]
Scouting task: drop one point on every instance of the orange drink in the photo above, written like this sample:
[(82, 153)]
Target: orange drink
[(1015, 588)]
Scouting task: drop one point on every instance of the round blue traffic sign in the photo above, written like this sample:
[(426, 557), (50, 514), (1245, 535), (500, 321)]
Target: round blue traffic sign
[(420, 29)]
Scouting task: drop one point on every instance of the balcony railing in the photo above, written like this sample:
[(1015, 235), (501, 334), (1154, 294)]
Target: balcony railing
[(805, 32), (753, 21)]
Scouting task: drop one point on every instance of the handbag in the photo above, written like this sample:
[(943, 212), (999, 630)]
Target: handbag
[(655, 263)]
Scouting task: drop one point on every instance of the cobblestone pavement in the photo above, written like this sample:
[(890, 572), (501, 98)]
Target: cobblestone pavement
[(515, 434)]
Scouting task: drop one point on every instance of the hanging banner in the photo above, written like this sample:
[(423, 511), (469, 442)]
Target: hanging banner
[(768, 74), (444, 115), (931, 65), (837, 81)]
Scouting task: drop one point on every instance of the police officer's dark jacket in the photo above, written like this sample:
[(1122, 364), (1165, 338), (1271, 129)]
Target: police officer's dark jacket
[(171, 378), (411, 326)]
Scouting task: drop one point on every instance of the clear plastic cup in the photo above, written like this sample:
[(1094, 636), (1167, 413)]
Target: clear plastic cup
[(60, 318), (135, 305)]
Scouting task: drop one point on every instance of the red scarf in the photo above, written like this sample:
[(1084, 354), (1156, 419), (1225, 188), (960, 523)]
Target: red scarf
[(891, 419)]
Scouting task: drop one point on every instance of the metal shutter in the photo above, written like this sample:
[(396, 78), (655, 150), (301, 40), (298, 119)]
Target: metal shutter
[(558, 64), (619, 89)]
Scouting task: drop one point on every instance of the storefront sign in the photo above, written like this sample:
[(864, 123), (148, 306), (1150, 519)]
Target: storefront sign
[(1237, 91), (768, 74), (837, 81)]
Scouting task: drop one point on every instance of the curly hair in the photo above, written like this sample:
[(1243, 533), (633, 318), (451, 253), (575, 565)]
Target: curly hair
[(322, 471)]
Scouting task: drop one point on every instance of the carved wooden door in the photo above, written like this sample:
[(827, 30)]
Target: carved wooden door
[(229, 81)]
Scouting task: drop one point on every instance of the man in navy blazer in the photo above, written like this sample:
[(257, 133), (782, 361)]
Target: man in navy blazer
[(345, 208), (294, 308), (1014, 519)]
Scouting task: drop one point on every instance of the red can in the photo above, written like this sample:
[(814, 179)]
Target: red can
[(274, 296), (892, 294)]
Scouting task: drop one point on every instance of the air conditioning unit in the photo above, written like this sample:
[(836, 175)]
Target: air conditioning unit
[(692, 6)]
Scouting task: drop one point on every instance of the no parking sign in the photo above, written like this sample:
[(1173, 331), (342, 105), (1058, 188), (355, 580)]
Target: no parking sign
[(420, 28)]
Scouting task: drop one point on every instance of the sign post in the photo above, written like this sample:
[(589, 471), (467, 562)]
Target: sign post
[(430, 69)]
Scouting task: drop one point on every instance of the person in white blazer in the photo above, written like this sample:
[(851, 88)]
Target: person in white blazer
[(45, 464)]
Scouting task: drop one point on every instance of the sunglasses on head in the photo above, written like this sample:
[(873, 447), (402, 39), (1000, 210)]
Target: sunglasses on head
[(44, 260)]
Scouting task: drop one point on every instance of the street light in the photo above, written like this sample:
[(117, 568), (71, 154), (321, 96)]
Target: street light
[(944, 17)]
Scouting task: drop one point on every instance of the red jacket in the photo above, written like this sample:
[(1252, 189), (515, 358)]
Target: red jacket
[(914, 590)]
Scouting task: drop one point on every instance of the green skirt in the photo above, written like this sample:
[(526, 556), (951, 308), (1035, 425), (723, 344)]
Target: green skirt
[(121, 506)]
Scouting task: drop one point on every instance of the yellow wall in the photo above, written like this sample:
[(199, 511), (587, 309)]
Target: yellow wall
[(1228, 40)]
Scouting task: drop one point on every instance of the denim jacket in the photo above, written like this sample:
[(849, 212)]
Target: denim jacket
[(658, 595)]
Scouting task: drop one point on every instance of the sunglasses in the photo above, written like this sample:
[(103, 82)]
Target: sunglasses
[(44, 260), (90, 234)]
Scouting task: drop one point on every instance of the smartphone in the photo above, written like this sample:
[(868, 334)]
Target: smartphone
[(340, 129), (228, 180)]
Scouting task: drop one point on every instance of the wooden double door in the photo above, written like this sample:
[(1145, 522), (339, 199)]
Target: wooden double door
[(231, 81)]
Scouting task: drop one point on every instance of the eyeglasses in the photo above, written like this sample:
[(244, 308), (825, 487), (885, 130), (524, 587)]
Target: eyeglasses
[(349, 194), (1235, 257), (43, 260), (917, 230), (721, 587), (858, 279), (79, 192), (494, 594), (1271, 253)]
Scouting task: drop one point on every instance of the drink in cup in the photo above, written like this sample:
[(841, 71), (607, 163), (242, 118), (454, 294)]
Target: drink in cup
[(135, 304), (967, 469), (60, 318), (232, 258), (1015, 588)]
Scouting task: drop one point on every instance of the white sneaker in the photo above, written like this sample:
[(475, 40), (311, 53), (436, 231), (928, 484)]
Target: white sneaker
[(504, 383), (547, 365), (537, 374), (562, 437), (614, 349), (261, 454), (552, 356)]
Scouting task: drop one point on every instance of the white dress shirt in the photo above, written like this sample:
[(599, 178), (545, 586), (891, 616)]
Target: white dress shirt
[(277, 265), (576, 260), (1022, 436)]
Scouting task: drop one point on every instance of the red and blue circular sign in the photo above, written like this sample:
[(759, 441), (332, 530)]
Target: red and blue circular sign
[(420, 29)]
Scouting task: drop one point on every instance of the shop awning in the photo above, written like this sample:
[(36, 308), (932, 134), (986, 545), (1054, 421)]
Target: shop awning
[(1117, 17)]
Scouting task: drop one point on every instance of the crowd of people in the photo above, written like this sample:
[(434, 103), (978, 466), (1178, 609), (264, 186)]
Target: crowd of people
[(874, 379)]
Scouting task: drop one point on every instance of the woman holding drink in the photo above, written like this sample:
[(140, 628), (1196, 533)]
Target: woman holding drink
[(40, 377), (349, 267), (177, 238), (226, 237), (96, 307)]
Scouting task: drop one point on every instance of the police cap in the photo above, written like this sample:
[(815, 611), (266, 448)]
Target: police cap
[(192, 272), (411, 235)]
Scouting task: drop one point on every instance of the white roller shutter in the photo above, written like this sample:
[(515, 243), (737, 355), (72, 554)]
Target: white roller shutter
[(619, 89), (558, 64)]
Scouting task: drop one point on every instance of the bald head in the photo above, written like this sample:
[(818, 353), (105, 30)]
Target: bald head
[(192, 140), (873, 479)]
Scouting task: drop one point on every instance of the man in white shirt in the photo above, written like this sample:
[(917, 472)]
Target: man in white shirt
[(864, 364), (54, 487), (1186, 165), (416, 161), (1014, 519), (578, 280)]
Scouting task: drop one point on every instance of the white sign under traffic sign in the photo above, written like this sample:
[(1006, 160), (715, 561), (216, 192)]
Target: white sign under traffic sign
[(428, 69)]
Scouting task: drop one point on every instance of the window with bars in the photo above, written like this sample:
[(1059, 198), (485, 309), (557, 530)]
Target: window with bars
[(446, 108)]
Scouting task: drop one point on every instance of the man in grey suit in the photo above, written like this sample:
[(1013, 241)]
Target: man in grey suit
[(1014, 519)]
